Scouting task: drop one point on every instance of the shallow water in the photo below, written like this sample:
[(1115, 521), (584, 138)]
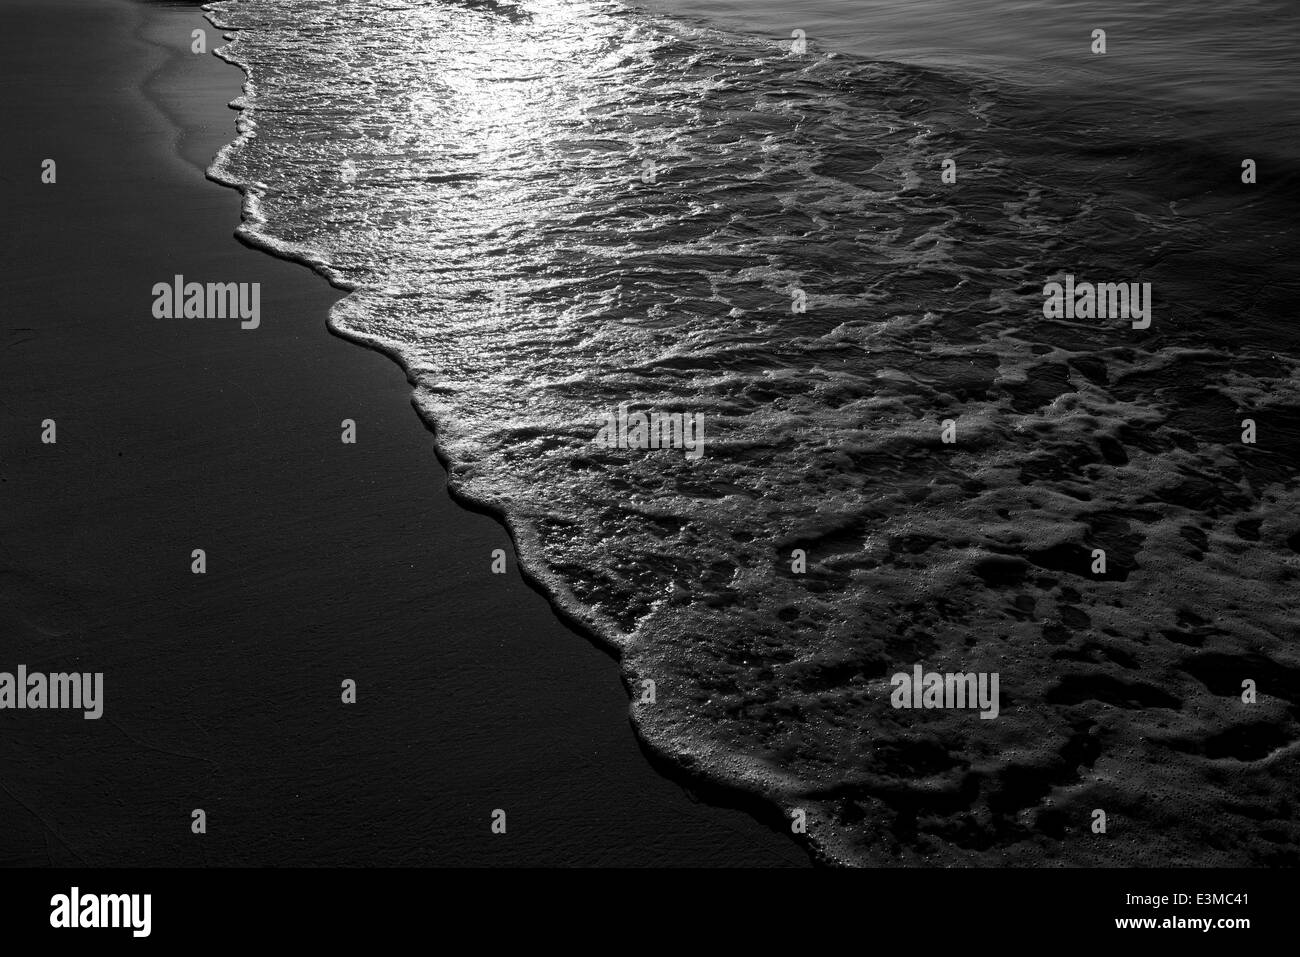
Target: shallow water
[(548, 209)]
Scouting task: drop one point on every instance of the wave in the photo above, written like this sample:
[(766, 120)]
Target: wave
[(545, 211)]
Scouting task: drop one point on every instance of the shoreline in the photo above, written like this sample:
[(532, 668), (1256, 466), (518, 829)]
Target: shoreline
[(730, 782), (737, 715), (472, 694)]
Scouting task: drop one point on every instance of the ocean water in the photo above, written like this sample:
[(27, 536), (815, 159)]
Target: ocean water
[(1234, 72), (547, 209)]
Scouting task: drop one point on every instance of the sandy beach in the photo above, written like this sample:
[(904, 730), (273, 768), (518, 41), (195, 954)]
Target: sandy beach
[(601, 433), (325, 561)]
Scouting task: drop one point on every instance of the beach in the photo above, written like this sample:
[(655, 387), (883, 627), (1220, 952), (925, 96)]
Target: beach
[(577, 432), (324, 561)]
